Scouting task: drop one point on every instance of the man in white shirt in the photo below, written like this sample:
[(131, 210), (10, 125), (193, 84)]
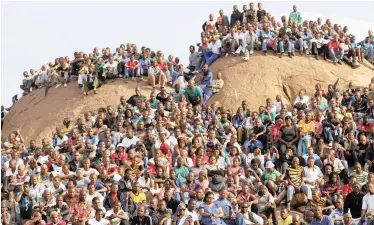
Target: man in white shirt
[(214, 51), (302, 98), (130, 139), (111, 69), (116, 215), (98, 220), (230, 42), (368, 205)]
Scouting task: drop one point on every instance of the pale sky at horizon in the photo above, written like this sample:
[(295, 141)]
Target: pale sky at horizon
[(35, 33)]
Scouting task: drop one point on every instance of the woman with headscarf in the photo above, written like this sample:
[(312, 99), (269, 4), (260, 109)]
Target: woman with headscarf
[(180, 217)]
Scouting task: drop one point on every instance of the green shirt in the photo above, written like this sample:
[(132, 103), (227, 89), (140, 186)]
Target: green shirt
[(296, 16), (274, 175), (193, 95), (154, 103)]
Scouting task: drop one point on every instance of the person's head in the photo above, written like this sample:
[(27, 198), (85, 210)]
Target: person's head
[(316, 194), (114, 188), (295, 162), (200, 193), (181, 210), (318, 212), (54, 217), (358, 168), (308, 216), (262, 189), (223, 193), (295, 219), (99, 214), (117, 206), (161, 206), (284, 213), (370, 187), (191, 204), (294, 8), (209, 197), (141, 210), (339, 203), (168, 195), (259, 5)]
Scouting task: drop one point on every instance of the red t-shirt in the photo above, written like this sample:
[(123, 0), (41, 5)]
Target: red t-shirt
[(366, 128), (162, 65), (275, 132), (119, 156), (111, 168), (334, 45), (132, 65)]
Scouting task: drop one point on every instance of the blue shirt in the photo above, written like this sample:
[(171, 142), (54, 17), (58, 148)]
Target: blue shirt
[(325, 221), (225, 206), (210, 209), (145, 63), (208, 78), (253, 145)]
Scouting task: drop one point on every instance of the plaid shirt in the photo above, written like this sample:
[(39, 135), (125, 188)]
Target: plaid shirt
[(82, 209)]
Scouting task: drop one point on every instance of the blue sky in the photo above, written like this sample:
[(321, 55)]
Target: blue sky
[(35, 33)]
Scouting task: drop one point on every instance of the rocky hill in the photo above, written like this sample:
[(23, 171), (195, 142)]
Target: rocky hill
[(259, 78)]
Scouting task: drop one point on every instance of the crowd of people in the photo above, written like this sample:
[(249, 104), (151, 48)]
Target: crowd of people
[(256, 29), (172, 158)]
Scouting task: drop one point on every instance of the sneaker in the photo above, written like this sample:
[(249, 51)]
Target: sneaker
[(339, 62), (65, 85), (334, 63), (290, 55), (293, 53), (120, 76), (325, 57), (245, 58), (58, 85), (316, 56), (280, 56), (301, 52), (251, 52)]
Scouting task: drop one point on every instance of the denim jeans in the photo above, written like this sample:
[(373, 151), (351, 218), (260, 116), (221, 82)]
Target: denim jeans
[(210, 57), (299, 45), (304, 143), (331, 135), (132, 73), (266, 45), (336, 55)]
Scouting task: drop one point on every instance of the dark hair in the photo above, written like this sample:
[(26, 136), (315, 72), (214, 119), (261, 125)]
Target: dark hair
[(209, 193)]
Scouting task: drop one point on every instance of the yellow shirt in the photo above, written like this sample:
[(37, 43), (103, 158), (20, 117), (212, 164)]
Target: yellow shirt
[(287, 221), (306, 128), (140, 197)]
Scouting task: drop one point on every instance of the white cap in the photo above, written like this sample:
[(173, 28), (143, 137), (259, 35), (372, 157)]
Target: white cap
[(121, 145), (269, 164)]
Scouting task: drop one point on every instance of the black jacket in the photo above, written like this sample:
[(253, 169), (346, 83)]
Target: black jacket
[(353, 202), (234, 17), (172, 204), (108, 204), (146, 221)]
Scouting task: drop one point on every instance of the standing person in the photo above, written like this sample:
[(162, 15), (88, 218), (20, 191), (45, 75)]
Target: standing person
[(252, 14), (260, 12), (210, 24), (236, 15), (296, 16), (222, 21)]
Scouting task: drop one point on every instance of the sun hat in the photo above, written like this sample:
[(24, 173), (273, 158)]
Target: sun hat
[(269, 164)]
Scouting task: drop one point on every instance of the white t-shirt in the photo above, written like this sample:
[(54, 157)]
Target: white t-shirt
[(96, 194), (127, 141), (312, 175), (303, 100), (115, 221), (87, 173), (368, 202), (215, 46), (101, 222)]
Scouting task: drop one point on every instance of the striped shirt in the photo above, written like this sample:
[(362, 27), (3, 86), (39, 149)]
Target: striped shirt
[(295, 175), (362, 178)]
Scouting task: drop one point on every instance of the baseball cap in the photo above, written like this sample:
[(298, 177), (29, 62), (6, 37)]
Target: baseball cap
[(269, 164)]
